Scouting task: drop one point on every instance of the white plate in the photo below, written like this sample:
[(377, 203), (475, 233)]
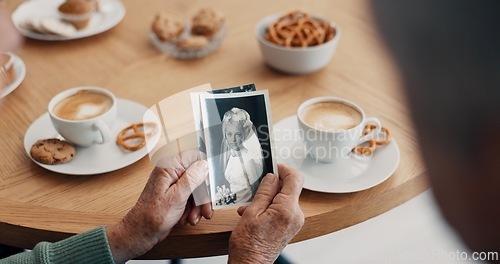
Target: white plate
[(111, 12), (352, 175), (98, 158), (20, 69)]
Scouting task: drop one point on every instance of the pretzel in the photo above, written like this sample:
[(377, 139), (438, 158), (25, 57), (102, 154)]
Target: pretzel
[(373, 143), (298, 29), (370, 127), (387, 137), (122, 138), (366, 150)]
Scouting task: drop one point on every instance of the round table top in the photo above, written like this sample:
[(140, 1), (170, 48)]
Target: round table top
[(40, 205)]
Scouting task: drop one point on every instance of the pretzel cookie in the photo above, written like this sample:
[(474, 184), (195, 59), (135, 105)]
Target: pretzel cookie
[(52, 151), (133, 137), (372, 144), (299, 29), (366, 150)]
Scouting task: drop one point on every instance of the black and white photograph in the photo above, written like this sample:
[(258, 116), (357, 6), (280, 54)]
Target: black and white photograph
[(238, 143), (196, 107)]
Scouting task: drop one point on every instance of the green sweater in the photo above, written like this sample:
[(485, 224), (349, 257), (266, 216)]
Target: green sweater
[(89, 247)]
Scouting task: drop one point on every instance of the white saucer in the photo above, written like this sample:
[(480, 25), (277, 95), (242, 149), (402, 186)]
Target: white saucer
[(352, 175), (20, 69), (111, 12), (98, 158)]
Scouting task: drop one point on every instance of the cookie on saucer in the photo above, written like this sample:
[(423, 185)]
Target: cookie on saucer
[(52, 151), (58, 27), (33, 23)]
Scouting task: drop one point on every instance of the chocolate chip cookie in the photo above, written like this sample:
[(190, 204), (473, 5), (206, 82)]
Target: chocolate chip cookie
[(52, 151)]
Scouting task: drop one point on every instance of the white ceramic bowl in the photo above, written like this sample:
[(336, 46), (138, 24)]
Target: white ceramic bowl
[(294, 60)]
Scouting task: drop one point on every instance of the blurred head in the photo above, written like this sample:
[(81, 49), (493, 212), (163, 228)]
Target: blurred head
[(448, 55), (236, 127)]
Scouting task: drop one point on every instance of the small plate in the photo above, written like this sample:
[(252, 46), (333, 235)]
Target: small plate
[(352, 175), (98, 158), (110, 13), (20, 69)]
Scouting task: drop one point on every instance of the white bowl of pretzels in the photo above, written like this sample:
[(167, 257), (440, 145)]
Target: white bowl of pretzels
[(297, 43)]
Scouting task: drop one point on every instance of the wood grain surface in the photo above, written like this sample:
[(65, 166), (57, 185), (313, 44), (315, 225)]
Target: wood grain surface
[(39, 205)]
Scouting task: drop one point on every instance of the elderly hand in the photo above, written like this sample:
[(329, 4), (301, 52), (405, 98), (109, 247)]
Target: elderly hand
[(270, 221), (164, 202)]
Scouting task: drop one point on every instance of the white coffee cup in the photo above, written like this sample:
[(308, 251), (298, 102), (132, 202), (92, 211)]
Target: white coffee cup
[(84, 115), (331, 127)]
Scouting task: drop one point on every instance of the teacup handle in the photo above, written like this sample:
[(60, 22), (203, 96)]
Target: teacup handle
[(373, 133), (104, 130)]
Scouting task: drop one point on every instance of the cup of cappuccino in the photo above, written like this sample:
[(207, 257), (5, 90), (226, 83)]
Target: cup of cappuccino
[(331, 127), (84, 115)]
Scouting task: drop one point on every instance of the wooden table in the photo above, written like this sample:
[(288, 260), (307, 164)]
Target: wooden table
[(39, 205)]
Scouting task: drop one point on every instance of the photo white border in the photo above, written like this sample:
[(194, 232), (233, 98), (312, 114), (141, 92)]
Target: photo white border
[(202, 98)]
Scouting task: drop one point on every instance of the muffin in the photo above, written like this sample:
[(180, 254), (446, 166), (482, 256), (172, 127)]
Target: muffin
[(7, 72), (167, 26), (207, 22), (77, 12), (95, 5)]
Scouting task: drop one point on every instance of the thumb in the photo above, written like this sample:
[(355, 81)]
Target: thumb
[(268, 188), (192, 178)]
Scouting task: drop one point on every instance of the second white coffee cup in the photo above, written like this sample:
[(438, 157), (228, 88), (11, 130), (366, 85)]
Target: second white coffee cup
[(84, 115), (331, 127)]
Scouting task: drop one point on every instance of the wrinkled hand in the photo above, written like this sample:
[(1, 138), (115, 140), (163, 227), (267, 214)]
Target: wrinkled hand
[(164, 202), (270, 221)]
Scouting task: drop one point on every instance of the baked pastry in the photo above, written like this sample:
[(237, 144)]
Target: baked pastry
[(77, 12), (95, 4), (58, 27), (167, 26), (52, 151), (193, 42), (33, 23), (7, 72), (299, 29), (206, 22), (171, 36), (134, 136), (48, 25)]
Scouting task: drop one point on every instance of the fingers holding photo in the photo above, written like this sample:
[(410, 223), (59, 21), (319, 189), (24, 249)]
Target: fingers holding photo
[(275, 212), (268, 189), (291, 181), (193, 177)]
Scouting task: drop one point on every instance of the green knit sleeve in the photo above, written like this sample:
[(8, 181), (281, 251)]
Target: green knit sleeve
[(89, 247)]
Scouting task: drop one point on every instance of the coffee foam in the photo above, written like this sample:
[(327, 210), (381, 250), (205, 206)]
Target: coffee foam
[(331, 116), (83, 105), (89, 110)]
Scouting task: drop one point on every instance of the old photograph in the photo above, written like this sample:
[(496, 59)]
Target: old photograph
[(238, 144)]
